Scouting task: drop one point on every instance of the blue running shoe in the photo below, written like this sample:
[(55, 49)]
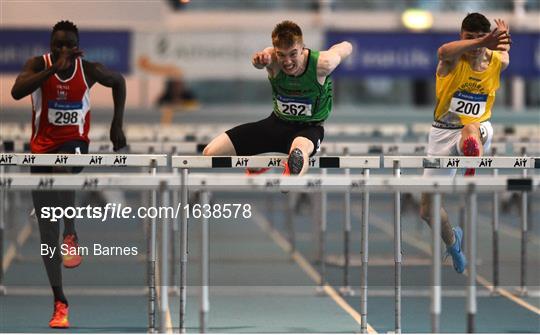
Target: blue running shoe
[(456, 251)]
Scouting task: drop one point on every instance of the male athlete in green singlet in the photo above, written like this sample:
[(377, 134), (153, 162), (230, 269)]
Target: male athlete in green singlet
[(302, 95)]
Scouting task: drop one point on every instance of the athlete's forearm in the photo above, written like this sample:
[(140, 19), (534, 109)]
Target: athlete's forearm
[(330, 59), (26, 84), (453, 50), (343, 49), (119, 100)]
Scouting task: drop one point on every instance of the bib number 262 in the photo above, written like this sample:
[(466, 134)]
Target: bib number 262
[(296, 109)]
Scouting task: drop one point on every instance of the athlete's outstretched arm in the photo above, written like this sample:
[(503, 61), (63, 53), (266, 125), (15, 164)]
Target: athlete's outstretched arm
[(34, 72), (31, 78), (450, 53), (99, 73), (330, 59), (265, 58)]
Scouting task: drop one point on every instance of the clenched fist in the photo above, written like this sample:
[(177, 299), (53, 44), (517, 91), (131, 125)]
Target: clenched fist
[(261, 59)]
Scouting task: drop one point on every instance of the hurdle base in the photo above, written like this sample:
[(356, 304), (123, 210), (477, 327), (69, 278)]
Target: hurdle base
[(471, 323), (203, 319), (435, 322), (346, 291)]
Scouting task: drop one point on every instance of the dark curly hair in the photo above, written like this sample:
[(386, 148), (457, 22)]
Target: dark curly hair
[(66, 26)]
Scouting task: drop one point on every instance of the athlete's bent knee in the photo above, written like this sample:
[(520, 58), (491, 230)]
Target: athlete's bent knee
[(209, 150), (206, 151), (472, 129)]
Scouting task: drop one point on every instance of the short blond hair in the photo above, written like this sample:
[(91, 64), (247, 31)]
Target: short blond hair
[(286, 34)]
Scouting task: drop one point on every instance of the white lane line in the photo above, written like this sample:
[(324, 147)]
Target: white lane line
[(426, 248), (307, 268), (11, 252)]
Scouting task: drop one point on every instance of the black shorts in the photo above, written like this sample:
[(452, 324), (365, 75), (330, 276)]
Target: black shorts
[(70, 147), (273, 135)]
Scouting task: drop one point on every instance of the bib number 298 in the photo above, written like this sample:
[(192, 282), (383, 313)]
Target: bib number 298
[(64, 118)]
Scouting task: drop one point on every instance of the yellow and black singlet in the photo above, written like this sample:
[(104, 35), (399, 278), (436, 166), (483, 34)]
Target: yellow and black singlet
[(466, 96)]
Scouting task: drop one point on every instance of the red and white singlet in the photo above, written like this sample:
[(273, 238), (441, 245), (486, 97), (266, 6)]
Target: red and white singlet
[(60, 110)]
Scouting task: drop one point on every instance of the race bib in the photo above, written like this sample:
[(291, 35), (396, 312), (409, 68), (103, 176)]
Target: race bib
[(64, 113), (295, 107), (468, 104)]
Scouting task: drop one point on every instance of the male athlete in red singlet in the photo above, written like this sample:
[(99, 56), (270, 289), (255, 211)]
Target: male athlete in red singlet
[(59, 83)]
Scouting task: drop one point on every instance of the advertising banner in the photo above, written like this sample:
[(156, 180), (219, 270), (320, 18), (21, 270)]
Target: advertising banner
[(405, 54), (110, 48)]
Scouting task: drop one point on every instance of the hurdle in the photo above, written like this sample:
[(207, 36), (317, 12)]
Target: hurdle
[(471, 217), (430, 162), (205, 183), (406, 161), (331, 147), (189, 162), (93, 160)]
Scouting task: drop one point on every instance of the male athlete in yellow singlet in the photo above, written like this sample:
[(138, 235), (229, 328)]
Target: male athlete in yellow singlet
[(468, 76)]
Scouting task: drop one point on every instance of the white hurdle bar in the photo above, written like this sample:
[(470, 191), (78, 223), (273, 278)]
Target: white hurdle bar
[(307, 183), (88, 160), (91, 160), (462, 162), (190, 162), (330, 147)]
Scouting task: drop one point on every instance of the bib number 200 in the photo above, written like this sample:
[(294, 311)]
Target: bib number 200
[(64, 118), (468, 108)]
